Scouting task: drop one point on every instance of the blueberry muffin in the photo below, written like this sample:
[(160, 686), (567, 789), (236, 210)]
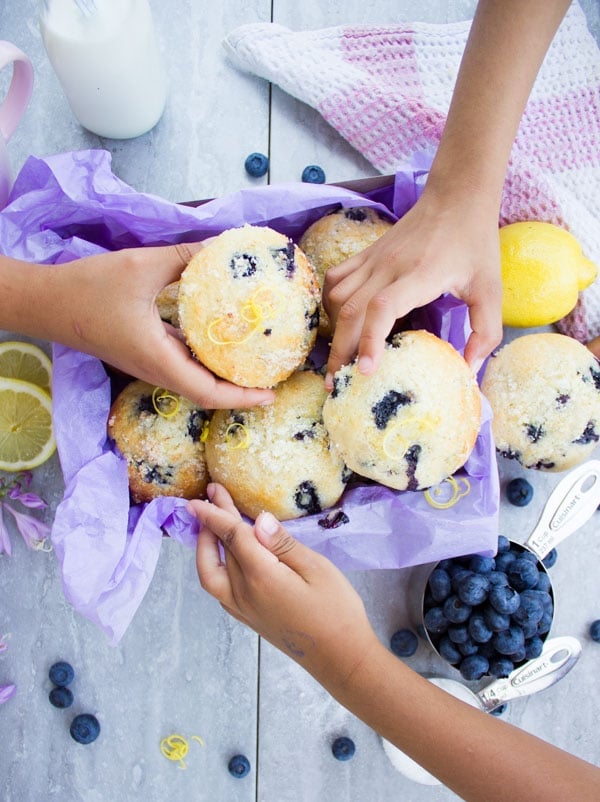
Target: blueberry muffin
[(249, 306), (336, 237), (167, 302), (277, 458), (544, 390), (413, 422), (161, 436)]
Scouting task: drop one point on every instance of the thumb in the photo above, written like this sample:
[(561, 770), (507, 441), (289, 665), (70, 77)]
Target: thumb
[(171, 260), (274, 537)]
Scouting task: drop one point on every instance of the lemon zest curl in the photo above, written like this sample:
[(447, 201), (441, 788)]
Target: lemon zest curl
[(457, 493), (255, 311), (163, 398), (231, 436)]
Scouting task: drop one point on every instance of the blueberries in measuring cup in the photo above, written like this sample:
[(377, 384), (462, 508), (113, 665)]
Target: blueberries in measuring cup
[(550, 558), (496, 613)]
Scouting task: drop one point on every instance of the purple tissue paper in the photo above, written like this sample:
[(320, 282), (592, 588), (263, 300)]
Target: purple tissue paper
[(72, 205)]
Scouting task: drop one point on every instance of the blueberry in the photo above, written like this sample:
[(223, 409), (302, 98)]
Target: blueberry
[(504, 599), (478, 629), (60, 697), (504, 559), (256, 165), (388, 406), (343, 748), (550, 558), (456, 610), (404, 643), (529, 555), (503, 544), (522, 574), (239, 766), (501, 667), (307, 499), (595, 630), (333, 519), (545, 623), (496, 621), (457, 574), (448, 650), (468, 647), (85, 728), (519, 492), (544, 582), (474, 667), (482, 565), (498, 711), (509, 641), (497, 578), (439, 584), (531, 609), (356, 213), (458, 633), (518, 657), (473, 589), (435, 621), (533, 647), (313, 174), (61, 673)]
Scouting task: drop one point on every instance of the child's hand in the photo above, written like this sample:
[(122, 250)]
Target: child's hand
[(290, 595), (110, 304), (440, 245)]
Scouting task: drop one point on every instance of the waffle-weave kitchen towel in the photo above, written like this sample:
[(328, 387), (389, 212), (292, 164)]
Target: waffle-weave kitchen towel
[(387, 89)]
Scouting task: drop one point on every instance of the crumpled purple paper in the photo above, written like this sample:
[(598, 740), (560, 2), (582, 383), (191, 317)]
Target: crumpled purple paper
[(71, 205)]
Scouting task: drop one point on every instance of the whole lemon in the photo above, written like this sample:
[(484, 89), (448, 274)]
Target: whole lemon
[(543, 270)]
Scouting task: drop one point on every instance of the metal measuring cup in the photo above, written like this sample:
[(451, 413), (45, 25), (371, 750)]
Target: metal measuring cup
[(570, 505), (558, 657)]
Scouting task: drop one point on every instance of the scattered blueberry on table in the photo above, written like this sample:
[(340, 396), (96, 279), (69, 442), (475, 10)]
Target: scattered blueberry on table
[(498, 711), (256, 165), (61, 673), (519, 492), (313, 174), (595, 630), (85, 728), (61, 696), (404, 642), (239, 766), (343, 748)]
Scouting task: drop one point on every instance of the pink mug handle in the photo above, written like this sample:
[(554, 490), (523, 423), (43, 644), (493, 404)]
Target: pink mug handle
[(19, 91)]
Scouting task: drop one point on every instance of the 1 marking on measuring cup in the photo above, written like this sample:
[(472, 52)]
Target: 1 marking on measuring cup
[(570, 505), (558, 657)]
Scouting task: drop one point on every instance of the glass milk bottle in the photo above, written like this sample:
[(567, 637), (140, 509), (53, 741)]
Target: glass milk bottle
[(106, 56)]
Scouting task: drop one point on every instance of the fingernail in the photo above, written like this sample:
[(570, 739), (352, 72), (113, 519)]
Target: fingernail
[(266, 403), (210, 491), (329, 381), (365, 365), (268, 523)]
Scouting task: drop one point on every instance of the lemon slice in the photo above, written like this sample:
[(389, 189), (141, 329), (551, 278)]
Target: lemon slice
[(26, 437), (26, 362)]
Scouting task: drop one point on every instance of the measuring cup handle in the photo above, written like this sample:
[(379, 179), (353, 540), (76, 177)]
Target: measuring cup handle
[(19, 91)]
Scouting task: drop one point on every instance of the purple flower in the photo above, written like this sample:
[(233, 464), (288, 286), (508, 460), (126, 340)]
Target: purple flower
[(7, 692), (5, 547), (34, 532)]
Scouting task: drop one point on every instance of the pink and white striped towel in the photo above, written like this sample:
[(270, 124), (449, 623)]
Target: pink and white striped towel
[(387, 89)]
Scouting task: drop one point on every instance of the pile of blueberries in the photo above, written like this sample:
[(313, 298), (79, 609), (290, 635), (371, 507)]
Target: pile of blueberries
[(489, 615)]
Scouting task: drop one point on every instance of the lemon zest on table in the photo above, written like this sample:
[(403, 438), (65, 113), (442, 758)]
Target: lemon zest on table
[(160, 397), (197, 738), (229, 435), (421, 425), (175, 747), (457, 493)]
